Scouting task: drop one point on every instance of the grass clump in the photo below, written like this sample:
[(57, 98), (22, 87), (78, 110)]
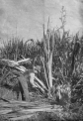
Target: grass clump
[(59, 66)]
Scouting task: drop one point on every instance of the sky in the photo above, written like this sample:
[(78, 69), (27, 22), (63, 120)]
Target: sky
[(24, 18)]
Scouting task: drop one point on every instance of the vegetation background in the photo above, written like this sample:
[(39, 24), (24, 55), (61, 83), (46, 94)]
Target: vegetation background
[(56, 61)]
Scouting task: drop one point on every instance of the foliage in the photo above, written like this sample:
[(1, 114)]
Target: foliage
[(56, 68), (53, 55)]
